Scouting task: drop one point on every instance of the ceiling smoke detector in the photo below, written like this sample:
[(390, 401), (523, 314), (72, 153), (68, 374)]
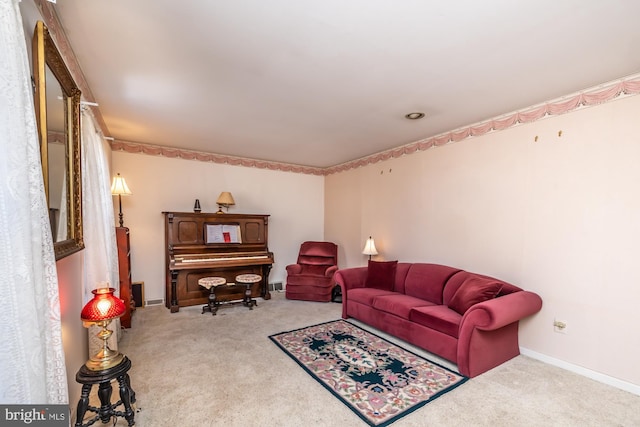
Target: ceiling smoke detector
[(414, 116)]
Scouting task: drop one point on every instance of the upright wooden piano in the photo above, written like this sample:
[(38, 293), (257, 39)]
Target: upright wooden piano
[(214, 244)]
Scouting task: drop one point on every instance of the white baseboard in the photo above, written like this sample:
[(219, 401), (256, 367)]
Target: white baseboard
[(597, 376)]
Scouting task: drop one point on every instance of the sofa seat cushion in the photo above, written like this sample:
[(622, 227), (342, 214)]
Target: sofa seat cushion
[(398, 304), (366, 295), (438, 317)]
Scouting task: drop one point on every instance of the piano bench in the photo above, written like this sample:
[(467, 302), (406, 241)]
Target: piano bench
[(211, 283), (248, 280)]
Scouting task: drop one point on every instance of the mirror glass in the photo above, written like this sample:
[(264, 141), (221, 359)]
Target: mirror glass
[(56, 157), (57, 102)]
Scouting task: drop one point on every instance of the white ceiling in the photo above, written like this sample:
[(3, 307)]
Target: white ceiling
[(319, 83)]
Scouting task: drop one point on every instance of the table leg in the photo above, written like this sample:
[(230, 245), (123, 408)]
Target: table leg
[(83, 404), (125, 396), (133, 393), (104, 393)]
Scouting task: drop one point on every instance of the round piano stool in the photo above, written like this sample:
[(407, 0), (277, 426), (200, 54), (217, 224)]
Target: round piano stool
[(211, 283), (248, 280), (107, 410)]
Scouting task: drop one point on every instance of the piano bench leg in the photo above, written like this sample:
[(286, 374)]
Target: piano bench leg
[(247, 297), (212, 306)]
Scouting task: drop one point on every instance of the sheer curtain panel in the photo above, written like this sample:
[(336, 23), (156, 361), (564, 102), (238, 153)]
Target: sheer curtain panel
[(99, 233), (32, 365)]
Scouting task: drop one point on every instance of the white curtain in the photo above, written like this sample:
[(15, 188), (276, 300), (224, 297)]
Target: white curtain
[(32, 365), (101, 252)]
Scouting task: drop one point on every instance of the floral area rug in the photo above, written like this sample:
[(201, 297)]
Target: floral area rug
[(378, 380)]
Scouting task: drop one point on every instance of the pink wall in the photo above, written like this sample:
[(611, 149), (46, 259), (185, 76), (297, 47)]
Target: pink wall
[(559, 216), (294, 201), (74, 335)]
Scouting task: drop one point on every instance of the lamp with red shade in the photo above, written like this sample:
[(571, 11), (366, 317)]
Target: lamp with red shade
[(100, 311)]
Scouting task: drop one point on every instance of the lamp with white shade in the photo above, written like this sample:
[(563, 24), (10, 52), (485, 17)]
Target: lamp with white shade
[(119, 188), (370, 248)]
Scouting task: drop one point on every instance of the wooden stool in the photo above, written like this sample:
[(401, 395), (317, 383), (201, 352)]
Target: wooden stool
[(103, 378), (248, 280), (211, 283)]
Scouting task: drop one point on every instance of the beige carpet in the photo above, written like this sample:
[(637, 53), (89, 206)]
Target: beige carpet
[(197, 370)]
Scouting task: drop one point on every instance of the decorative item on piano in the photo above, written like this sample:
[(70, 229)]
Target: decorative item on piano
[(225, 199), (100, 311), (196, 206), (119, 188)]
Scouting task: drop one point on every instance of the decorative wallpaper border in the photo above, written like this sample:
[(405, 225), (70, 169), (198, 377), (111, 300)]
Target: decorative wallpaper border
[(157, 150), (603, 93)]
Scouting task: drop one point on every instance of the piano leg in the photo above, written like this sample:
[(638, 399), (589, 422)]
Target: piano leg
[(174, 292), (266, 269)]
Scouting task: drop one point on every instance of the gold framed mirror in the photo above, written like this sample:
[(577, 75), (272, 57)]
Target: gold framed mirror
[(57, 105)]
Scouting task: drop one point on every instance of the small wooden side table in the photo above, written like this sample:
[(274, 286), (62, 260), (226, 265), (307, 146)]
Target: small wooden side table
[(248, 280), (103, 378), (211, 283)]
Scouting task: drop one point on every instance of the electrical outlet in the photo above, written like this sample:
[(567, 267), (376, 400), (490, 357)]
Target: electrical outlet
[(559, 326)]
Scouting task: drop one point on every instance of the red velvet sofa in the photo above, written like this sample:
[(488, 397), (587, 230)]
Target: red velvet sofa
[(466, 318)]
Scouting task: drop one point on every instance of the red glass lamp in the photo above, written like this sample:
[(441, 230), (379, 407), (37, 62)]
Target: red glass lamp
[(101, 310)]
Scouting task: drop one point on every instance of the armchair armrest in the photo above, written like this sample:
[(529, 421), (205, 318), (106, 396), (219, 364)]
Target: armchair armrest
[(329, 272), (294, 269)]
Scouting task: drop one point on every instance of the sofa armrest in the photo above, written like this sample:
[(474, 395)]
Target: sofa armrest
[(488, 334), (350, 278), (498, 312), (294, 269)]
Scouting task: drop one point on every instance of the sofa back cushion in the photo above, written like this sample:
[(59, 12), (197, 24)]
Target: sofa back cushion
[(401, 275), (427, 281)]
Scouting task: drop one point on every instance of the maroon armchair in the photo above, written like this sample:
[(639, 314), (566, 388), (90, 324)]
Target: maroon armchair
[(311, 279)]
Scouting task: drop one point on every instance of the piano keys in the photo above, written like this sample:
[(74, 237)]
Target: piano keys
[(240, 258), (191, 254)]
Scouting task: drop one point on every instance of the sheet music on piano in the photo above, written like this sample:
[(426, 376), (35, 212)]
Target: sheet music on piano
[(223, 233)]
